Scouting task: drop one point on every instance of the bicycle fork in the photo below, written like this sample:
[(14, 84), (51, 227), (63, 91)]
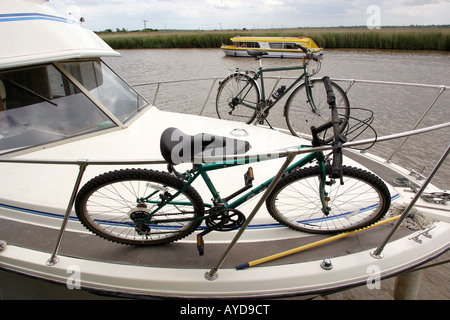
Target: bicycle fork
[(324, 198), (308, 87)]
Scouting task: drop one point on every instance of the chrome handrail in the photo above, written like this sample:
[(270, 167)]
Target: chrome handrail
[(288, 154), (351, 83)]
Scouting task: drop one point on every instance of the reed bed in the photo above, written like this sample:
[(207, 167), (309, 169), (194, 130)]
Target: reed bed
[(412, 38)]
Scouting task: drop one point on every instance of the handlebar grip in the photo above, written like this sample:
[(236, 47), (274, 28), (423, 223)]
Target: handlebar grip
[(305, 50), (331, 97), (339, 139), (336, 169)]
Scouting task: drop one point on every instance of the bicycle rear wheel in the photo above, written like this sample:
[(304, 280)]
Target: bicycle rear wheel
[(237, 98), (362, 200), (300, 115), (115, 206)]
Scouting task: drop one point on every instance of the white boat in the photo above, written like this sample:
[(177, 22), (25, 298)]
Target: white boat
[(276, 47), (67, 117)]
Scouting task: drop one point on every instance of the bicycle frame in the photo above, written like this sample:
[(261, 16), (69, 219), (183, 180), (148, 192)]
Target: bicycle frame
[(202, 170), (260, 74)]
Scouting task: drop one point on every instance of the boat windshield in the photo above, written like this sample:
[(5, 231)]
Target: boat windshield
[(108, 88), (40, 105)]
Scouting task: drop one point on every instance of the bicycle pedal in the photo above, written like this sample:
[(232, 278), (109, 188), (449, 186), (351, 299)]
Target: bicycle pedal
[(200, 245), (249, 176)]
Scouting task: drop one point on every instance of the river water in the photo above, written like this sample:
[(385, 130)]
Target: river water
[(396, 108)]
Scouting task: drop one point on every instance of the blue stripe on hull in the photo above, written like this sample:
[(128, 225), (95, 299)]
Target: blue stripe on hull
[(31, 16)]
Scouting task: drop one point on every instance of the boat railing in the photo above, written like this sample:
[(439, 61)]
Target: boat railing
[(288, 154), (203, 103)]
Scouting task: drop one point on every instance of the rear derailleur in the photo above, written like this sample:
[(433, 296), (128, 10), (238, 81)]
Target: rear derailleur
[(262, 113), (139, 215)]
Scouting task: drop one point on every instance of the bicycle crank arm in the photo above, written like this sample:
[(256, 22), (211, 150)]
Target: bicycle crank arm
[(248, 178), (201, 242), (220, 219)]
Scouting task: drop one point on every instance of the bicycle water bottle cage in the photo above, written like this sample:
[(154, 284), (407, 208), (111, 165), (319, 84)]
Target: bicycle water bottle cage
[(178, 147)]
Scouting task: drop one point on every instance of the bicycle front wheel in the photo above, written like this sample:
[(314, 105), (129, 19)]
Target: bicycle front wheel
[(118, 206), (302, 112), (362, 200), (237, 98)]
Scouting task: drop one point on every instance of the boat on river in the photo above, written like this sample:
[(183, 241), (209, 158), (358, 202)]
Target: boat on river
[(66, 117), (276, 47)]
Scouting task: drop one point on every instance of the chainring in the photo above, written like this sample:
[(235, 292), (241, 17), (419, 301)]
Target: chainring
[(224, 219)]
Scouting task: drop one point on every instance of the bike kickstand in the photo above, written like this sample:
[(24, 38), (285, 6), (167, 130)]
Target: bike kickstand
[(261, 122)]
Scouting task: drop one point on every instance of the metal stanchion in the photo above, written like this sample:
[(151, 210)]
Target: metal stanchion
[(212, 274), (377, 252), (54, 258)]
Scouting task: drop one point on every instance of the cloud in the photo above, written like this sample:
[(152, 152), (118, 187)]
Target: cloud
[(421, 2), (232, 14)]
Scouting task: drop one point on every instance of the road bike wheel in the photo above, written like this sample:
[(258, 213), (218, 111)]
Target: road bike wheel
[(237, 98), (300, 115), (111, 206), (362, 200)]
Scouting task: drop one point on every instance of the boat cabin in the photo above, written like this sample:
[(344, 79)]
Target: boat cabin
[(52, 102), (55, 87)]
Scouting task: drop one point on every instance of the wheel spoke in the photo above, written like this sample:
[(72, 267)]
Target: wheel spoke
[(111, 206), (361, 200)]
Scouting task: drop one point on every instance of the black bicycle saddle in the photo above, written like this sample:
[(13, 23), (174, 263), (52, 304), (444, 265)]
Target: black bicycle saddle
[(178, 147), (257, 54)]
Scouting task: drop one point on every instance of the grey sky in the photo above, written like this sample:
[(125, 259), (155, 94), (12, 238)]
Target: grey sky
[(238, 14)]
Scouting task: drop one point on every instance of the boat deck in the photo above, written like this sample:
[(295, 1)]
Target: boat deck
[(184, 254)]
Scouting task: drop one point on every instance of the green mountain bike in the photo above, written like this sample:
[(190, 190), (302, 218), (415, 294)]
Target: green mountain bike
[(241, 97), (148, 207)]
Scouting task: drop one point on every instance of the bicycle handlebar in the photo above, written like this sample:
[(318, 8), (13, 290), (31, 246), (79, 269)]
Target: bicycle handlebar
[(304, 49), (331, 97), (339, 139)]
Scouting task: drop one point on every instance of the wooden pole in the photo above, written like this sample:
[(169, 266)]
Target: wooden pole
[(312, 245), (407, 285)]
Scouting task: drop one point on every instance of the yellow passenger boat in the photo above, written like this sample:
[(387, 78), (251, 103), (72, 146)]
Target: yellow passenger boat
[(276, 47)]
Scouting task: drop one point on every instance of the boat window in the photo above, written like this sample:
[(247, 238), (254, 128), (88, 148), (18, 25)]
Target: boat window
[(40, 105), (291, 46), (252, 44), (275, 45), (281, 45), (247, 45), (108, 88)]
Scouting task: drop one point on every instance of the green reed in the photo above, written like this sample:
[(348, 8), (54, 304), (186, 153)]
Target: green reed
[(412, 38)]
